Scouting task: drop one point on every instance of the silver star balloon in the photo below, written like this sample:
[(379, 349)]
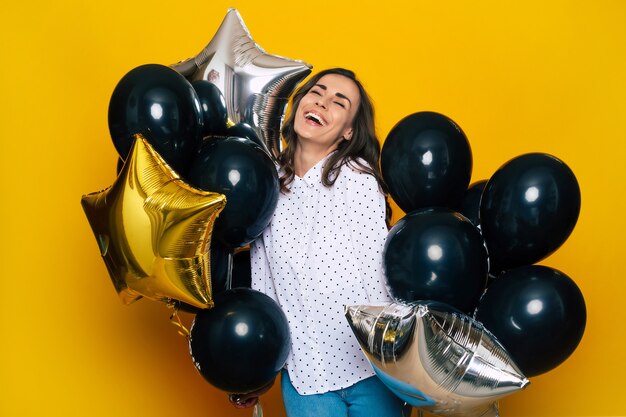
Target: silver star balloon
[(435, 358), (256, 85)]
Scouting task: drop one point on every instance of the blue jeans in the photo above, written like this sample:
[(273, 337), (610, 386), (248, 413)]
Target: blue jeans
[(366, 398)]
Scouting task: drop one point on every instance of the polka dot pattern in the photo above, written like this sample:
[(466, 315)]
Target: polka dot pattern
[(322, 251)]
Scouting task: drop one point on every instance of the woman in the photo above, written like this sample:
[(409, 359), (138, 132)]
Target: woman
[(323, 249)]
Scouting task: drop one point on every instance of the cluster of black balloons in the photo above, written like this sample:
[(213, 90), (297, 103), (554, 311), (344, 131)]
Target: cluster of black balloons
[(473, 246), (241, 343)]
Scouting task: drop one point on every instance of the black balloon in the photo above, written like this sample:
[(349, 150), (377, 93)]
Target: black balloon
[(213, 105), (161, 104), (537, 313), (244, 130), (470, 206), (528, 209), (245, 174), (242, 343), (426, 161), (240, 270), (120, 165), (220, 260), (436, 254)]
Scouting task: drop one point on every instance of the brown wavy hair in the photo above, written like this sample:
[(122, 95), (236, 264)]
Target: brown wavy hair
[(362, 146)]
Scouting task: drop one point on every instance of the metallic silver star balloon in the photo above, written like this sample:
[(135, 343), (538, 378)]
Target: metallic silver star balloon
[(435, 358), (256, 85)]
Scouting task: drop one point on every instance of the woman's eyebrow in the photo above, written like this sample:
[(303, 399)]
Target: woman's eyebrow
[(323, 87)]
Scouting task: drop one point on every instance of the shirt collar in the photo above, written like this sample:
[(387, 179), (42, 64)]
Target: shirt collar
[(314, 175)]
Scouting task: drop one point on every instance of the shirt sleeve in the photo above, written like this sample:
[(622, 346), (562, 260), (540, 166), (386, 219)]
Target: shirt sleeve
[(366, 211), (261, 279)]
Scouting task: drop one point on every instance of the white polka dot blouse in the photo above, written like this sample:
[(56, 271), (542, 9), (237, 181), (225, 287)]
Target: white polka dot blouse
[(321, 251)]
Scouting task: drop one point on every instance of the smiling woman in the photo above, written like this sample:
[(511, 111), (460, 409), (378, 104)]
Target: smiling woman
[(325, 114), (332, 112), (518, 76), (323, 249)]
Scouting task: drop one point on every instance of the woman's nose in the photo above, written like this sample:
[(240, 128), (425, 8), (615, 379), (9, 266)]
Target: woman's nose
[(321, 102)]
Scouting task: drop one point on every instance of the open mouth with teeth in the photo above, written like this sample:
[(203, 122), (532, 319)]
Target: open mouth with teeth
[(315, 118)]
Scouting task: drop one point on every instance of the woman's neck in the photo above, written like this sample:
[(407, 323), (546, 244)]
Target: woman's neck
[(307, 156)]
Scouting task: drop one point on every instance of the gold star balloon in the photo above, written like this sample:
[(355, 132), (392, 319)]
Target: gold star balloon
[(154, 231), (256, 85)]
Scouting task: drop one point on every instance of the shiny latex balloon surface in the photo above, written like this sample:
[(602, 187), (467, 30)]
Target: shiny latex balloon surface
[(242, 171), (242, 271), (244, 130), (470, 206), (157, 102), (119, 166), (528, 209), (154, 231), (436, 254), (255, 84), (434, 358), (538, 313), (426, 161), (214, 115), (221, 265), (226, 274), (242, 343)]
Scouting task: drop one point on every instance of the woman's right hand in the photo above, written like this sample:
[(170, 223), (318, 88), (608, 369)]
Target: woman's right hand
[(250, 399), (242, 401)]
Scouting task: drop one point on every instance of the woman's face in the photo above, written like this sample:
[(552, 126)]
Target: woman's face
[(325, 114)]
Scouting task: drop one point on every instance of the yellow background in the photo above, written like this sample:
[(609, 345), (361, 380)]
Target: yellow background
[(516, 76)]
